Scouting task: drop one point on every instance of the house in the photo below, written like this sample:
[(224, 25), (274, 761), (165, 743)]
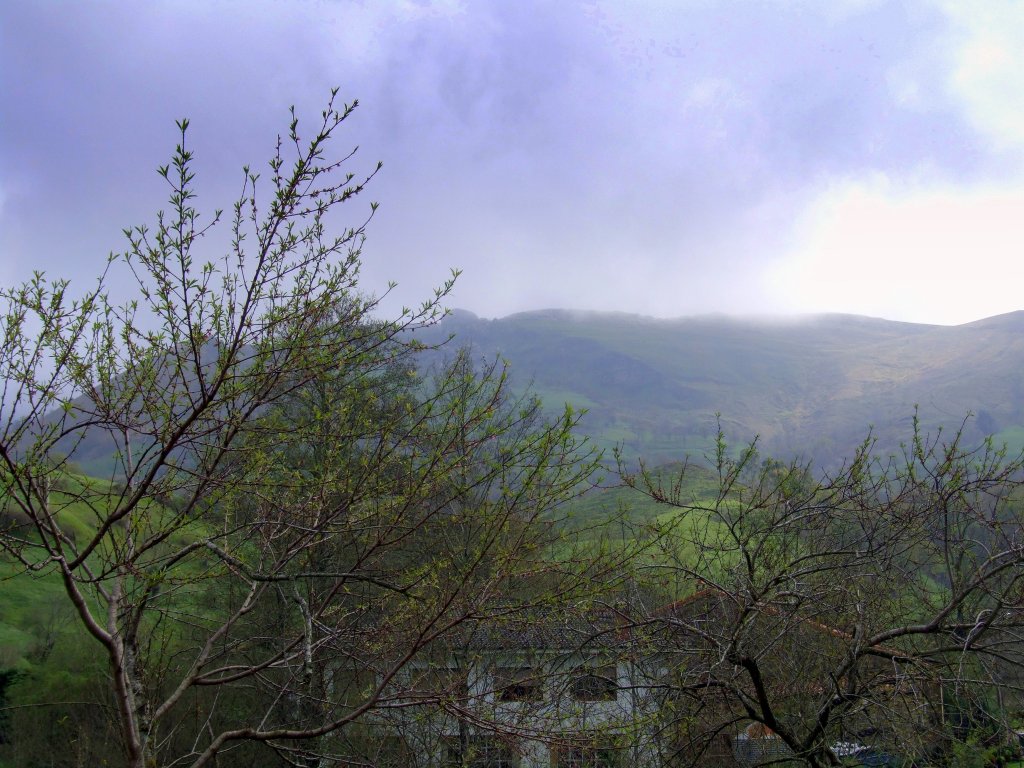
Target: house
[(703, 681), (552, 690)]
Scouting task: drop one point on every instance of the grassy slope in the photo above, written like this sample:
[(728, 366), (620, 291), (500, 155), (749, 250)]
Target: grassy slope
[(35, 604), (616, 516)]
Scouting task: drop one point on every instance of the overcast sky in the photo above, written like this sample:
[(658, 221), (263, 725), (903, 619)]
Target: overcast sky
[(661, 157)]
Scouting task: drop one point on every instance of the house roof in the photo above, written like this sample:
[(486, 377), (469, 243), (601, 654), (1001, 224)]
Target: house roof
[(715, 603), (543, 629)]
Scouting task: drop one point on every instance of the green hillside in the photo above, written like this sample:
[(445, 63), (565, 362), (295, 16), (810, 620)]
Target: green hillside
[(810, 386), (34, 608), (807, 387)]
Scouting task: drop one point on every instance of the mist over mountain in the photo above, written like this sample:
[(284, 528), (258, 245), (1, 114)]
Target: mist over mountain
[(809, 386)]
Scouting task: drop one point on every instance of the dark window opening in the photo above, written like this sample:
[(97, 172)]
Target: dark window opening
[(521, 684), (443, 683), (595, 683)]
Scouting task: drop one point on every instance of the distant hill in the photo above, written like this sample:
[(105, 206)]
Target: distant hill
[(808, 386)]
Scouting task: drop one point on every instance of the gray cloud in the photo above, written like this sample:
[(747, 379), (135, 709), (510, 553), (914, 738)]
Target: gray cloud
[(574, 154)]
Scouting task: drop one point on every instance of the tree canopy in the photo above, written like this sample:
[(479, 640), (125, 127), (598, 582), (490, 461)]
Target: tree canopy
[(295, 513)]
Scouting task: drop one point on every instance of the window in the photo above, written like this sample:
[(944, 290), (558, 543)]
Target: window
[(479, 752), (585, 756), (595, 683), (518, 684), (440, 683)]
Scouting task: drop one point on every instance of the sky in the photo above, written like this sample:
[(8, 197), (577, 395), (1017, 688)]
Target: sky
[(662, 157)]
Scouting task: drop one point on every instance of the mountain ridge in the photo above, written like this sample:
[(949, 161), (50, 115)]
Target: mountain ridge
[(809, 385)]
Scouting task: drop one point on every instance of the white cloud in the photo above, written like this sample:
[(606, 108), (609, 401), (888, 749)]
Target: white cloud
[(918, 248), (945, 255), (988, 65)]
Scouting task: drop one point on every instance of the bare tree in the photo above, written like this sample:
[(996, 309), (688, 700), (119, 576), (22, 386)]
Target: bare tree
[(878, 606), (294, 516)]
